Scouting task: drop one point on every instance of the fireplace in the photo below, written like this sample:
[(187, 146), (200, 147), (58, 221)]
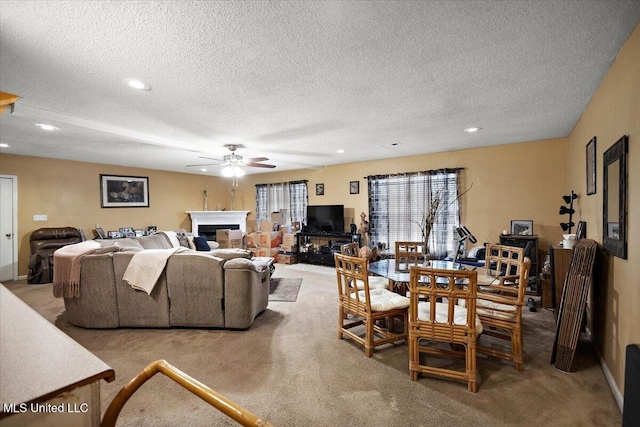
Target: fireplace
[(206, 223), (209, 231)]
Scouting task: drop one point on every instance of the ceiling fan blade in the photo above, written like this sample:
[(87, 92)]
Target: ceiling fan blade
[(259, 165), (256, 159), (198, 166), (210, 158)]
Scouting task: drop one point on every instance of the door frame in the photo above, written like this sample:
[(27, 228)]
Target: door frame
[(14, 224)]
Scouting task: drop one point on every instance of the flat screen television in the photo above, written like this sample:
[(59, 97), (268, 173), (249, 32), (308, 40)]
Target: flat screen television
[(325, 219)]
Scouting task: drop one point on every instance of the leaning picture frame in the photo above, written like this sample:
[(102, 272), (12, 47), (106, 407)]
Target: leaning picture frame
[(591, 166), (522, 227), (124, 191)]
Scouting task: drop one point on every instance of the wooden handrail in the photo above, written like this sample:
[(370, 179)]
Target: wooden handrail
[(217, 400)]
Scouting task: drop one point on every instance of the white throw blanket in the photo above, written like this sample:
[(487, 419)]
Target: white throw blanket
[(146, 266)]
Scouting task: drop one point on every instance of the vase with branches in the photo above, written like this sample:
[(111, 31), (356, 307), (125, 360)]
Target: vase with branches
[(429, 218)]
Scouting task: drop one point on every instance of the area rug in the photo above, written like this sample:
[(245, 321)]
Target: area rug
[(284, 289)]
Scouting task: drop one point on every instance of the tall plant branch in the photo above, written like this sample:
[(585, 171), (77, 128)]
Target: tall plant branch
[(429, 218)]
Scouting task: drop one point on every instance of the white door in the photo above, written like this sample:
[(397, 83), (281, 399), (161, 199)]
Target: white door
[(8, 227)]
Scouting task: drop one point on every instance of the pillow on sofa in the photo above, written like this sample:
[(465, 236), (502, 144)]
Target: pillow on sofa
[(201, 243), (183, 239)]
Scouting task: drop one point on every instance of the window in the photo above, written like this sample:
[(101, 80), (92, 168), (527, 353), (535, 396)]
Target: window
[(398, 203), (291, 196)]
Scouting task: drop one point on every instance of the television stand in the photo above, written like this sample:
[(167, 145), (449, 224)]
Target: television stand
[(314, 247)]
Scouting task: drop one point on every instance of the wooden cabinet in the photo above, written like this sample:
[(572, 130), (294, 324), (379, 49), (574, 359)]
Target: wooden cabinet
[(560, 259), (521, 242)]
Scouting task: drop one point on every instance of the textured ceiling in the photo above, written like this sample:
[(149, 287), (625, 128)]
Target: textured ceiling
[(297, 81)]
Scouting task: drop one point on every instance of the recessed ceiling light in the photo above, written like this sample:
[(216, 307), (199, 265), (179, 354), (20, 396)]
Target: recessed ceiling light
[(203, 170), (3, 145), (137, 84), (340, 151), (46, 127), (471, 130)]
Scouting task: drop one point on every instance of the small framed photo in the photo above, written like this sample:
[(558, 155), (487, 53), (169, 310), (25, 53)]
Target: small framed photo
[(138, 232), (522, 227), (127, 232), (354, 187), (319, 189), (591, 166), (124, 191), (114, 235), (100, 233), (151, 229)]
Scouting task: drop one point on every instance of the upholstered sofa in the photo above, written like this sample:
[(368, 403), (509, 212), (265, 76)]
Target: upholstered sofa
[(221, 288)]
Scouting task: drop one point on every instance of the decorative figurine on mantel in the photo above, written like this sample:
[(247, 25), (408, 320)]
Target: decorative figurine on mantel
[(364, 229), (205, 193)]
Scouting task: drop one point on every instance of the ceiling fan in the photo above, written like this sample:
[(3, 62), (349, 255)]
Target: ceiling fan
[(233, 161)]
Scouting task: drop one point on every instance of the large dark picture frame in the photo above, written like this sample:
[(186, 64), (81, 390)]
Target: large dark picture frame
[(591, 166), (614, 185), (124, 191)]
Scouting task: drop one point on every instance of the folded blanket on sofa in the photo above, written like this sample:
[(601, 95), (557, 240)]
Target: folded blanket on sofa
[(66, 271), (146, 266)]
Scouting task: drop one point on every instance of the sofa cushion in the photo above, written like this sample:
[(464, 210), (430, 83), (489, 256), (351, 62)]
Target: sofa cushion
[(201, 243), (155, 241), (245, 264), (227, 254)]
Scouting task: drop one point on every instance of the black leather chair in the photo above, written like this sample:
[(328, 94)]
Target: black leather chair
[(44, 242)]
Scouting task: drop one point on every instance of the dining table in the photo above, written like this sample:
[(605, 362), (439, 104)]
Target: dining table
[(400, 273)]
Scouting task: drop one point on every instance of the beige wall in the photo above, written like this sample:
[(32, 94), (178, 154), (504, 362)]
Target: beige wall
[(516, 181), (69, 194), (613, 111)]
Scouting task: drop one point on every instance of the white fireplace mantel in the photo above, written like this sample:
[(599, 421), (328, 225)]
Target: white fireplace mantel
[(218, 218)]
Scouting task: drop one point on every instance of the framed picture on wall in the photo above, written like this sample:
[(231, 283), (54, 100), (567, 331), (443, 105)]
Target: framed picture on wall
[(319, 189), (354, 187), (591, 166), (124, 191)]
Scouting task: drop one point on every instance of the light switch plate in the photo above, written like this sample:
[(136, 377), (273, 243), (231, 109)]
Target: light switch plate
[(39, 217)]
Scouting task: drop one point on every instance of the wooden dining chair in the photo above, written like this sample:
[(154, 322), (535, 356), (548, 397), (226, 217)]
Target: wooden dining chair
[(409, 252), (437, 317), (367, 316), (500, 312), (503, 262), (375, 282)]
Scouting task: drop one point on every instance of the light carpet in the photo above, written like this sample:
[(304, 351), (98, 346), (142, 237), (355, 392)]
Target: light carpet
[(291, 369)]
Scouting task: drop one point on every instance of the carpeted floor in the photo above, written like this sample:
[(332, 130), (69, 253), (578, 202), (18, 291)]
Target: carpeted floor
[(284, 289), (290, 369)]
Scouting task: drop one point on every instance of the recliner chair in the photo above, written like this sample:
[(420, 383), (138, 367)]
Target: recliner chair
[(44, 242)]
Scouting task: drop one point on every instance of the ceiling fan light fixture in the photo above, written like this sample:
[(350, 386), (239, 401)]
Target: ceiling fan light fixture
[(232, 171), (472, 129)]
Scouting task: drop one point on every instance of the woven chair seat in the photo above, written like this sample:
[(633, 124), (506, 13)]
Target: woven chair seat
[(459, 314), (375, 282), (384, 300)]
